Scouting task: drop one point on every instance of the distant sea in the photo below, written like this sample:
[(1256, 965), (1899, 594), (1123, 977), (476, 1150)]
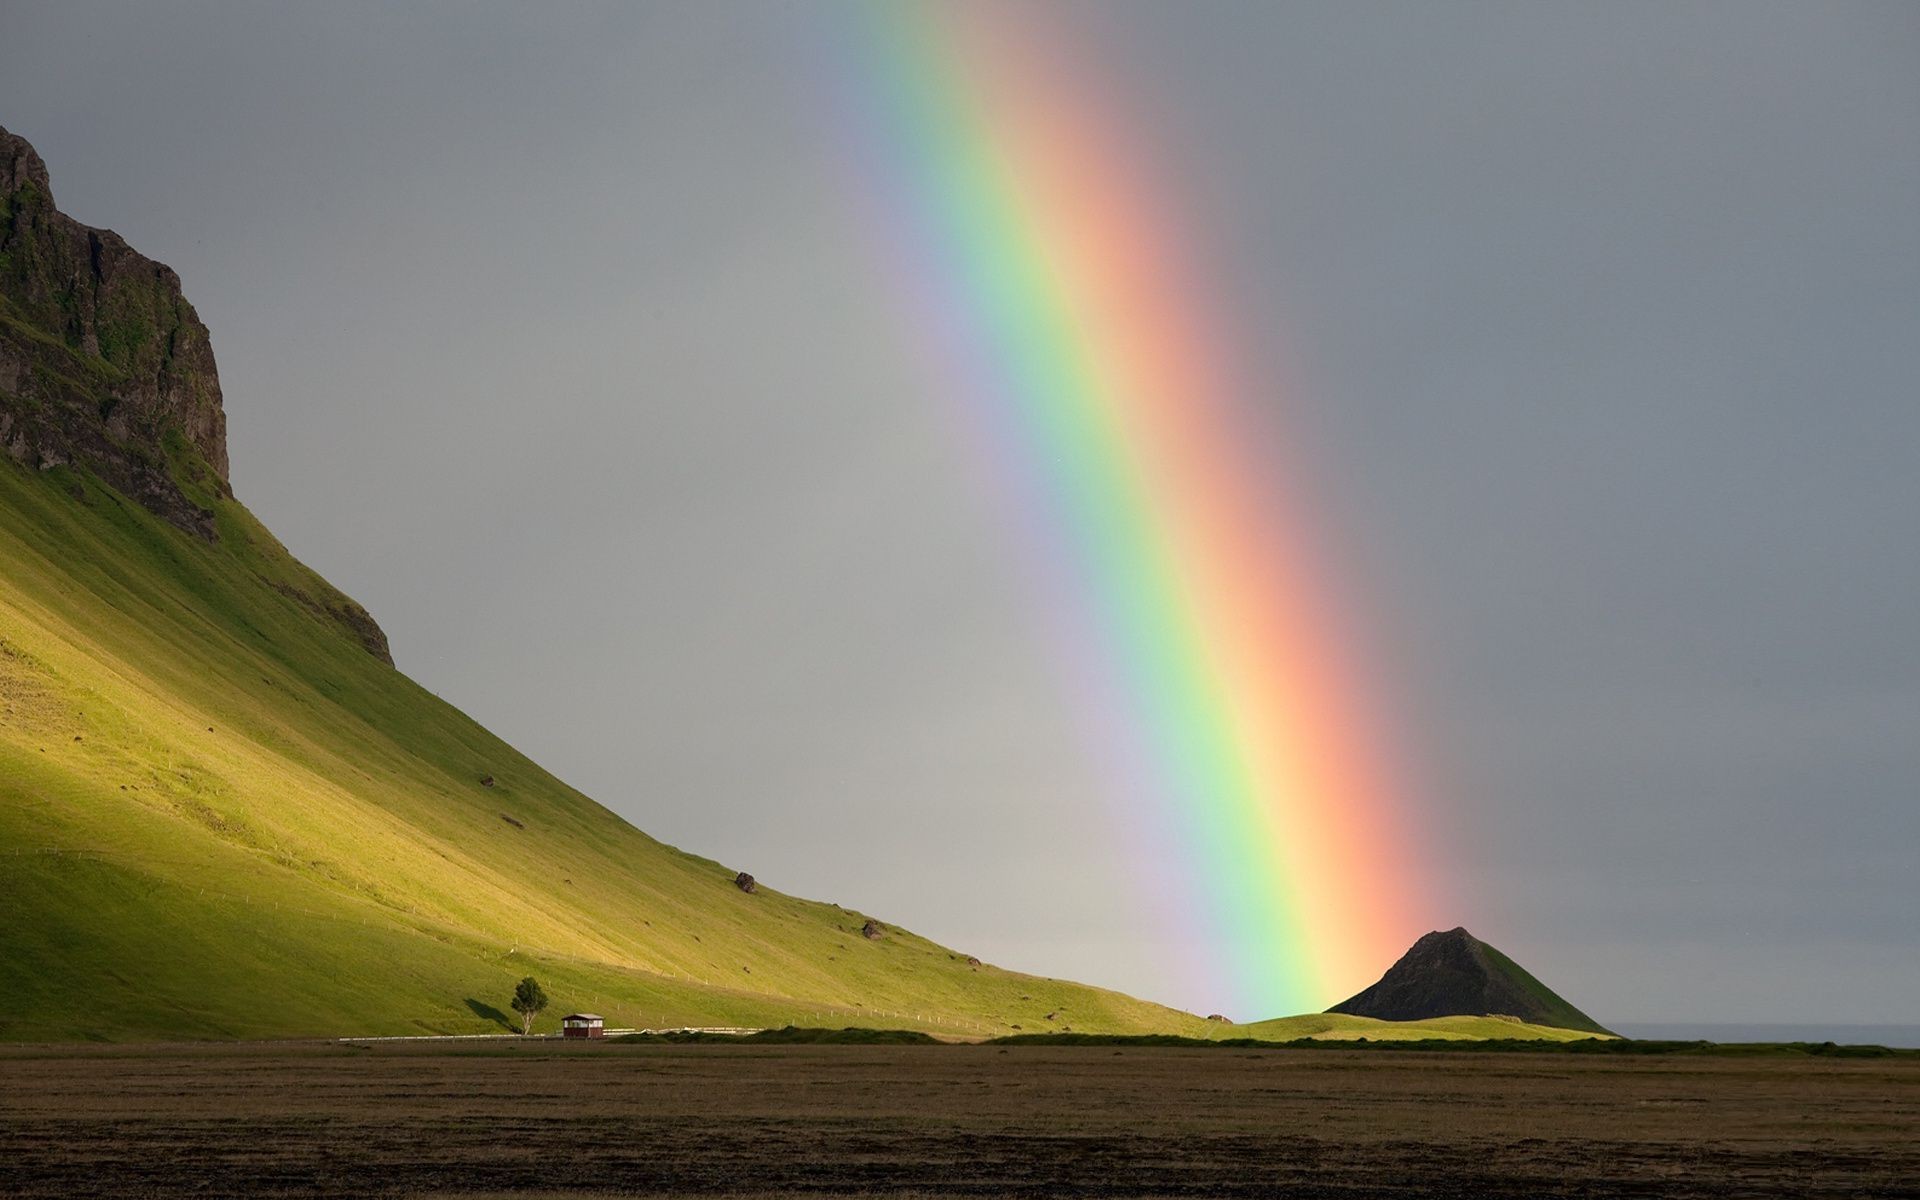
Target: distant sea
[(1860, 1035)]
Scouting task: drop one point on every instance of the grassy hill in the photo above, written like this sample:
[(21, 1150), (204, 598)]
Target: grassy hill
[(224, 814), (221, 817)]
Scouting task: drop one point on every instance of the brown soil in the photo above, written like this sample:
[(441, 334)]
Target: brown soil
[(414, 1118)]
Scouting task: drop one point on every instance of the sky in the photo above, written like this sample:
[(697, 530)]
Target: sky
[(554, 335)]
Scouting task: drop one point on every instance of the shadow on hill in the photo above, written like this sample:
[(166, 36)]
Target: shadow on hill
[(487, 1012)]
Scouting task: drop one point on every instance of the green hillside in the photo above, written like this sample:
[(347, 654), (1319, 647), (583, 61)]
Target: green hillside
[(222, 817), (223, 813), (1548, 1006)]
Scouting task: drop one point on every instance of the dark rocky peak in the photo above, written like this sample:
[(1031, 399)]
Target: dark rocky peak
[(103, 362), (1453, 974)]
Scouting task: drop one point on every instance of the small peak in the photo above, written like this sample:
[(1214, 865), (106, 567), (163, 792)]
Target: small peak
[(21, 164), (1457, 936), (1452, 973)]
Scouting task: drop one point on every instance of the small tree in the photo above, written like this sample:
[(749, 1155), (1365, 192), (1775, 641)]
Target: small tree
[(528, 1001)]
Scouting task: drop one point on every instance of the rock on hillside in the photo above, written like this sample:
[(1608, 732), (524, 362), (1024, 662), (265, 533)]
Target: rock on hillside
[(1455, 974)]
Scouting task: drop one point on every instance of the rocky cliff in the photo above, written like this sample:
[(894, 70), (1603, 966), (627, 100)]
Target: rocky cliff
[(102, 360), (106, 368)]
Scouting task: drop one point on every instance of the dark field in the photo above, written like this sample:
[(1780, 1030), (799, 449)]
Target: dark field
[(312, 1119)]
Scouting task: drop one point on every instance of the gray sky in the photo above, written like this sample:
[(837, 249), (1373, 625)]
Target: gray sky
[(552, 335)]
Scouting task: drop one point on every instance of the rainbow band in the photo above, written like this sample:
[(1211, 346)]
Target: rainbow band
[(1068, 315)]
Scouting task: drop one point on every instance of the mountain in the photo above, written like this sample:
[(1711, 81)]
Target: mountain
[(223, 812), (1455, 974), (105, 366)]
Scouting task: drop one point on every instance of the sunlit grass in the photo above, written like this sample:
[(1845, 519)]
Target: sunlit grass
[(220, 816)]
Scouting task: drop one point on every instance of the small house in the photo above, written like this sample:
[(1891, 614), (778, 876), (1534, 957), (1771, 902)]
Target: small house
[(583, 1025)]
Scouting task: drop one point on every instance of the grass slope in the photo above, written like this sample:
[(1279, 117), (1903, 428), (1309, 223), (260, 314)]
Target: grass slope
[(221, 817), (1557, 1011), (222, 814)]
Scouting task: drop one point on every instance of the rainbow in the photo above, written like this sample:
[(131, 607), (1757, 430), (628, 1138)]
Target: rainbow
[(1069, 316)]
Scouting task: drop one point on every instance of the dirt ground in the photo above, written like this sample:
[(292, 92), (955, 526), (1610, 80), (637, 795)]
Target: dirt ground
[(979, 1121)]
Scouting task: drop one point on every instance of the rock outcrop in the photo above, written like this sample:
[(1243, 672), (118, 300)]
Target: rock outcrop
[(1455, 974), (106, 368)]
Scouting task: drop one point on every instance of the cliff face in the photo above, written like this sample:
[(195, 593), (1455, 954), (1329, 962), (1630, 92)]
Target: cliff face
[(103, 363), (106, 369)]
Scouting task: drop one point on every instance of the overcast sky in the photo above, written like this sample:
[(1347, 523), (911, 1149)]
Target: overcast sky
[(551, 334)]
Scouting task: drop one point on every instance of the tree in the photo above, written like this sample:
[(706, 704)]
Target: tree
[(528, 1000)]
